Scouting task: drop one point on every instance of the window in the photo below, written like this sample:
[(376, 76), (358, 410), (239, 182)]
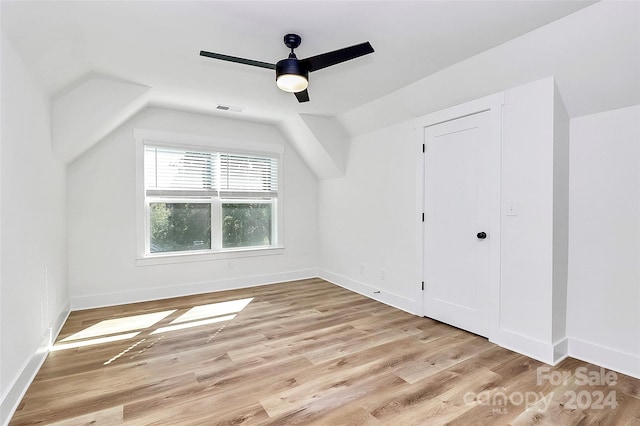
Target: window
[(199, 201)]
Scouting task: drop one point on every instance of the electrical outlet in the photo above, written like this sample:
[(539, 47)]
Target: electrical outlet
[(362, 269), (383, 274), (229, 265)]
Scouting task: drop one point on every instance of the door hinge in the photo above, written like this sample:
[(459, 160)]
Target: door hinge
[(424, 148), (423, 217), (422, 285)]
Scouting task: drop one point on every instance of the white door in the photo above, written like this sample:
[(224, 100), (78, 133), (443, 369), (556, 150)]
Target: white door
[(457, 202)]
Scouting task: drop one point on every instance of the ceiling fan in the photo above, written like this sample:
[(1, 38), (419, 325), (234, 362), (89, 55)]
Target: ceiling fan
[(292, 74)]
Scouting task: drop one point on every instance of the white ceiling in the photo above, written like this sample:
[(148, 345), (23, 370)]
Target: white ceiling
[(156, 43)]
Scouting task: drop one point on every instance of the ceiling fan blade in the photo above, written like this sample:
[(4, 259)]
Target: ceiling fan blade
[(302, 96), (315, 63), (238, 60)]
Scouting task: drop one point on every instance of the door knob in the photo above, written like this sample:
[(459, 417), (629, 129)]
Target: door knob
[(481, 235)]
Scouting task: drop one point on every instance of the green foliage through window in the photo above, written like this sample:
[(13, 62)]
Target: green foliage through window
[(180, 227), (246, 224)]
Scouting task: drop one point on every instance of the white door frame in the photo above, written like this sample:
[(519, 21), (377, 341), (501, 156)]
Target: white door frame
[(494, 104)]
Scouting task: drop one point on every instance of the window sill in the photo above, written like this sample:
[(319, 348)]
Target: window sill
[(164, 259)]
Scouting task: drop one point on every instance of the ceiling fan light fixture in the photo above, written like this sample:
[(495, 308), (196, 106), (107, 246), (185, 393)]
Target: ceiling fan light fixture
[(292, 83), (290, 76)]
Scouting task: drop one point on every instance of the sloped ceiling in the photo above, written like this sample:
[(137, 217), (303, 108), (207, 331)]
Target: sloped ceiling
[(155, 44), (594, 55)]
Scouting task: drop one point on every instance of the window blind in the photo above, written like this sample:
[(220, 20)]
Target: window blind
[(179, 172), (248, 176)]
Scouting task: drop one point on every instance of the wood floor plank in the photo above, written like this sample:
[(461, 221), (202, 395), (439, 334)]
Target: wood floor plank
[(457, 350), (347, 415), (108, 417), (304, 352)]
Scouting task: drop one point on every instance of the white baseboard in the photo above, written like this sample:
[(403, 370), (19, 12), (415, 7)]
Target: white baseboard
[(603, 356), (383, 296), (560, 350), (533, 348), (22, 381), (157, 293)]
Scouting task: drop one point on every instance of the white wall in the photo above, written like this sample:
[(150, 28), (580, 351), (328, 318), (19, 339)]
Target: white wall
[(368, 219), (527, 181), (560, 223), (535, 170), (101, 195), (33, 278), (604, 239)]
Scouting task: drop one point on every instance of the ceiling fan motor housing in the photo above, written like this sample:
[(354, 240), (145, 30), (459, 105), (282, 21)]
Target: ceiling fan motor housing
[(291, 66)]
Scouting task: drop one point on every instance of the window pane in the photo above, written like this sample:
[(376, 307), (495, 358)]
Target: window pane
[(180, 227), (246, 224)]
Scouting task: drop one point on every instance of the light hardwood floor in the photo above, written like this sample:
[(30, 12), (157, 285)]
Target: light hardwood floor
[(305, 352)]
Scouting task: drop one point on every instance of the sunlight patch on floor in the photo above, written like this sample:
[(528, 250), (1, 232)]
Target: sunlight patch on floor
[(81, 343), (193, 324), (119, 325), (213, 310), (117, 329)]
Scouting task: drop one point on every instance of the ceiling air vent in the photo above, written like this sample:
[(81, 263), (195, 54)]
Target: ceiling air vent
[(228, 108)]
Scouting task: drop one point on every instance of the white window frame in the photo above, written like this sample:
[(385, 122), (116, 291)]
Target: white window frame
[(198, 142)]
